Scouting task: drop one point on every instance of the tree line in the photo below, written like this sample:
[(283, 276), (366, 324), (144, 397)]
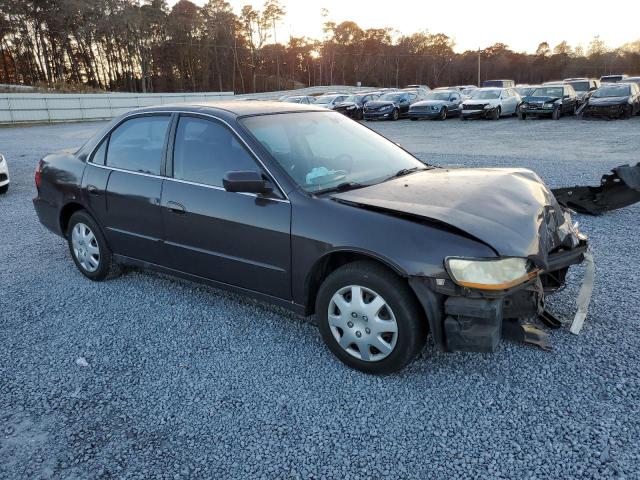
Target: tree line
[(145, 46)]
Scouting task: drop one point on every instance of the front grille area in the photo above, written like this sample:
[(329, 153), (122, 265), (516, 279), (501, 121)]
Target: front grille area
[(375, 109), (421, 108), (474, 107)]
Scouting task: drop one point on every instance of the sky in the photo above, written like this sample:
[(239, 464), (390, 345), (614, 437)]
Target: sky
[(472, 24)]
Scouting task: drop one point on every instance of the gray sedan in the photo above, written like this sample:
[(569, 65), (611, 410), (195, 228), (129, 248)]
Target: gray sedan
[(437, 104)]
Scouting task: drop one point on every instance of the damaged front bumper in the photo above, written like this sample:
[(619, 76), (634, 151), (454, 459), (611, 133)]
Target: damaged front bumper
[(470, 320), (485, 112)]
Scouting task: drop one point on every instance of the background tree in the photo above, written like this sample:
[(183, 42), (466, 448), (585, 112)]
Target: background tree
[(145, 46)]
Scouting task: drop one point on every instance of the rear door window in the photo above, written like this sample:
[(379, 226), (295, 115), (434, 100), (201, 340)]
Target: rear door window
[(99, 156), (138, 144)]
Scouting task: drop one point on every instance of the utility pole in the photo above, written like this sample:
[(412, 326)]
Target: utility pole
[(479, 67)]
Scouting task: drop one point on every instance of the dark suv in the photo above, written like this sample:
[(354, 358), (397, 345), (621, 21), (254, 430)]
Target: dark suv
[(353, 105), (549, 100)]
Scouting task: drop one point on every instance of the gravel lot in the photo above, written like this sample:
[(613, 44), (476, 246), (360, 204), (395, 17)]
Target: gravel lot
[(182, 380)]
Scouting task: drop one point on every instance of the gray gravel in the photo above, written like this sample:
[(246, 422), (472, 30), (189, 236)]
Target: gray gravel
[(147, 376)]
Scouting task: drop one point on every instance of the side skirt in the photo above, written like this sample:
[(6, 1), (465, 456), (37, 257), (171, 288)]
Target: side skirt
[(289, 305)]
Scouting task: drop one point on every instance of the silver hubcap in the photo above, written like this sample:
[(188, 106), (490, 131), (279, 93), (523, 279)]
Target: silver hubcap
[(85, 247), (362, 323)]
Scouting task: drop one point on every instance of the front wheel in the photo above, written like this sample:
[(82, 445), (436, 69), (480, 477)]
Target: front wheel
[(522, 116), (4, 189), (89, 249), (395, 115), (370, 319), (556, 114), (495, 115), (443, 114)]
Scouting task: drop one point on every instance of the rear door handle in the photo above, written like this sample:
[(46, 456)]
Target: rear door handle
[(93, 190), (175, 207)]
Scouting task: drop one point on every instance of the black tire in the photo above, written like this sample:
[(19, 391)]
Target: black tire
[(517, 111), (396, 115), (555, 115), (413, 119), (495, 115), (410, 318), (4, 189), (443, 114), (522, 116), (107, 267)]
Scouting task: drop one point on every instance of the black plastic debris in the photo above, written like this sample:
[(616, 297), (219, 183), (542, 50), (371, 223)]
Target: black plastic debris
[(617, 190)]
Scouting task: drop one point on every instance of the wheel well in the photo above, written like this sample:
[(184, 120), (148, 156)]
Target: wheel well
[(328, 264), (65, 214)]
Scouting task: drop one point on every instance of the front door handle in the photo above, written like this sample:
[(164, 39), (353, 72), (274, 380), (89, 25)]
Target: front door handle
[(175, 207), (93, 190)]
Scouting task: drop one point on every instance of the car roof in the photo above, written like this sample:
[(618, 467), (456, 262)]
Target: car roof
[(233, 108)]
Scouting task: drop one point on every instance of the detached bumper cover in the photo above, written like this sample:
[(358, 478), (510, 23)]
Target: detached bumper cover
[(618, 189)]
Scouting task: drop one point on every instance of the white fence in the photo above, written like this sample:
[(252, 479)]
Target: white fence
[(50, 107)]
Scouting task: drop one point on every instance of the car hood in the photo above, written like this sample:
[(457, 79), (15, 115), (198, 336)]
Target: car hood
[(539, 99), (346, 104), (509, 209), (379, 103), (604, 101), (424, 103)]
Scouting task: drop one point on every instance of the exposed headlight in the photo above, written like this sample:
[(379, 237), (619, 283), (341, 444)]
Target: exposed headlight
[(350, 107), (490, 273), (548, 105), (488, 107)]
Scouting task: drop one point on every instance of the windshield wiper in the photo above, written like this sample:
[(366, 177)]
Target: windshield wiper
[(341, 187), (406, 171)]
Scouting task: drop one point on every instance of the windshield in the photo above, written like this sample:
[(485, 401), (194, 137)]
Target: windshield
[(580, 86), (612, 91), (525, 91), (323, 150), (437, 96), (485, 94), (392, 97), (555, 92), (326, 99)]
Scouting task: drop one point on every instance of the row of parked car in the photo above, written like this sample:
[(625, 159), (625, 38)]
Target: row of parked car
[(613, 96)]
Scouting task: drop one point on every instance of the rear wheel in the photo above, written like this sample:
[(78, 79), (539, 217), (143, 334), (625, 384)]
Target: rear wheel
[(89, 249), (369, 318)]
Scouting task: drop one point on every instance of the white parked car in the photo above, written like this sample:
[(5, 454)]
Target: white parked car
[(491, 102), (330, 101), (4, 175)]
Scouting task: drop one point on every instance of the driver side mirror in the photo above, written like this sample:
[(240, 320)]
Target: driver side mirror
[(246, 182)]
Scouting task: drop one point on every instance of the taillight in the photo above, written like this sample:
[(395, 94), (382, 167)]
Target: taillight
[(37, 176)]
